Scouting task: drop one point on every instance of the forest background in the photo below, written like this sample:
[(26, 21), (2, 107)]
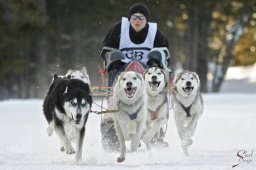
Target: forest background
[(41, 37)]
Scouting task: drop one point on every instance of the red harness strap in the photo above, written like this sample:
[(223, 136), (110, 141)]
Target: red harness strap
[(102, 74), (154, 114)]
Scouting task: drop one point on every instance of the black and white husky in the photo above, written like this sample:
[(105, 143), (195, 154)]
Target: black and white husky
[(187, 106), (66, 108)]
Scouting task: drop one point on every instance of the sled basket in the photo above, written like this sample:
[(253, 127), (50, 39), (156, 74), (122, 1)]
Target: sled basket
[(101, 91)]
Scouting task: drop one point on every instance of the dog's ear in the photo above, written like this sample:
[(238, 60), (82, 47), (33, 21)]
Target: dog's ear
[(139, 76), (120, 77), (84, 70), (69, 72), (195, 75), (55, 76), (87, 88), (66, 90), (68, 85), (145, 72), (176, 78), (166, 75)]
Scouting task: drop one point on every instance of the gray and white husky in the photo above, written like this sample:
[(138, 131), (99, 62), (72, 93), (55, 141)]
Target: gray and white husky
[(66, 108), (79, 74), (187, 106), (156, 88), (129, 97)]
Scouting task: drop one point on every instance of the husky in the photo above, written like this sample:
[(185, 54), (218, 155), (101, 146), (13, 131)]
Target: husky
[(66, 108), (187, 105), (129, 97), (158, 112), (71, 74), (79, 74)]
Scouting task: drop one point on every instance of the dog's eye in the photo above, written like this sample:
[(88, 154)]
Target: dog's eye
[(149, 73), (82, 77), (182, 78), (192, 78), (73, 103), (159, 73), (124, 79), (134, 78), (83, 104)]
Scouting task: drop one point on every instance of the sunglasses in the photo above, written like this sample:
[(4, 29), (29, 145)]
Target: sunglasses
[(141, 18)]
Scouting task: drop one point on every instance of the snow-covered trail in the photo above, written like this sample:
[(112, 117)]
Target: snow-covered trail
[(226, 127)]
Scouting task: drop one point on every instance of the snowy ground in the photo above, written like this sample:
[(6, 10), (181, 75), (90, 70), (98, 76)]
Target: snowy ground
[(226, 128)]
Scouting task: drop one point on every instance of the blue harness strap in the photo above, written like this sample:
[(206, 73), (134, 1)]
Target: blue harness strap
[(133, 115)]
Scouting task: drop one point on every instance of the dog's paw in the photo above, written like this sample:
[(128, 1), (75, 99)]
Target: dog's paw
[(146, 138), (187, 141), (120, 159), (148, 146), (185, 145), (159, 143), (78, 159), (185, 151), (50, 130), (62, 149), (70, 150), (135, 145)]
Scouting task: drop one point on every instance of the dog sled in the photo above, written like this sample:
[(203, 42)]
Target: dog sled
[(105, 94)]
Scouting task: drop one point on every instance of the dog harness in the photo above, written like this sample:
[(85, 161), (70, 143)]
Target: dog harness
[(133, 115), (186, 109), (154, 114)]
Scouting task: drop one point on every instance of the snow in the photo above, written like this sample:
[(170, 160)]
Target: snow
[(226, 127)]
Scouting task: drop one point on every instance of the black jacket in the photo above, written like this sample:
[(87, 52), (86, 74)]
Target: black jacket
[(112, 38)]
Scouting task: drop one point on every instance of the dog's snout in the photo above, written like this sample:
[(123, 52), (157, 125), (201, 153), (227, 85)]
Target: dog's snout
[(129, 84), (78, 116), (188, 83), (154, 77)]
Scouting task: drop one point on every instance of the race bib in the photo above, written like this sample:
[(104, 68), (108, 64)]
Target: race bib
[(135, 54)]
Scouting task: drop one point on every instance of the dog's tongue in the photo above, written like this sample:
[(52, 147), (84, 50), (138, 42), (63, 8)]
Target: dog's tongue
[(77, 121), (188, 90), (154, 85), (130, 91)]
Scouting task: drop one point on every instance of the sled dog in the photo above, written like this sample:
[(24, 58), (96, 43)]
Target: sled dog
[(79, 74), (156, 89), (71, 74), (129, 97), (187, 105), (66, 108)]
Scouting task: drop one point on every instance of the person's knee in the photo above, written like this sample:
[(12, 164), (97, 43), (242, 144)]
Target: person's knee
[(113, 59), (159, 57)]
